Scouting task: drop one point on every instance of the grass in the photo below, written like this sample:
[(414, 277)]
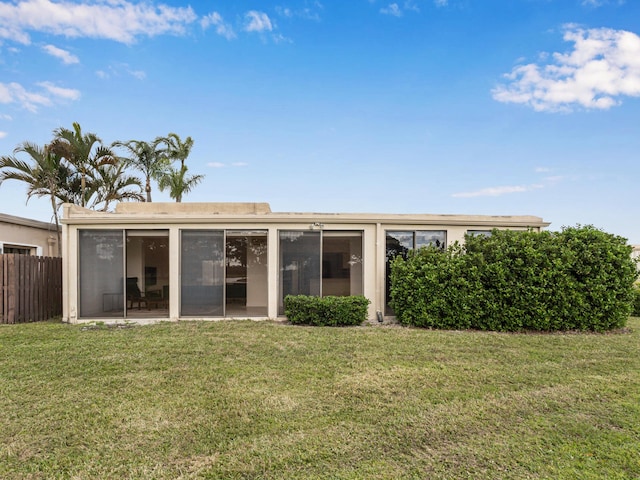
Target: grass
[(244, 400)]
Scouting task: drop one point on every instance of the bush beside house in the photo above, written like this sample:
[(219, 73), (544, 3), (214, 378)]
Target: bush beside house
[(636, 302), (326, 311), (578, 279)]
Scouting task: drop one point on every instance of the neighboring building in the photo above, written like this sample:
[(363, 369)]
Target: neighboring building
[(28, 237), (159, 261), (635, 254)]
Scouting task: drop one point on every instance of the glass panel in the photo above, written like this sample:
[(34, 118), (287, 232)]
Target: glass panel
[(101, 260), (147, 284), (436, 238), (246, 233), (202, 273), (486, 233), (342, 263), (299, 265), (17, 250), (397, 243), (246, 282), (147, 233)]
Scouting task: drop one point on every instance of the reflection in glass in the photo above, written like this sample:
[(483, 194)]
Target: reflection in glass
[(434, 238), (246, 282), (320, 264), (299, 265), (474, 233)]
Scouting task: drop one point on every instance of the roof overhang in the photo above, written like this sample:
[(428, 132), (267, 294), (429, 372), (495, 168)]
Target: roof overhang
[(203, 213)]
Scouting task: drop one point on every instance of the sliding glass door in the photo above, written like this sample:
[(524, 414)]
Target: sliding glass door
[(341, 263), (202, 273), (299, 264), (147, 265), (246, 282), (223, 273), (319, 263), (123, 273), (101, 273)]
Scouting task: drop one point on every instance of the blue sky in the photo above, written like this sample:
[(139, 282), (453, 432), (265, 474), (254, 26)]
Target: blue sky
[(500, 107)]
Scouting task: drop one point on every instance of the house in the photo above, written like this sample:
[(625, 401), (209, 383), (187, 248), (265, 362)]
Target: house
[(27, 237), (172, 261)]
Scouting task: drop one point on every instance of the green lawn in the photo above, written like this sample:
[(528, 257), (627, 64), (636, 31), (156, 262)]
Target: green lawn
[(271, 401)]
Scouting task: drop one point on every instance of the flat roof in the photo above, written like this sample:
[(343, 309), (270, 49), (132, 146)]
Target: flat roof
[(26, 222), (181, 213)]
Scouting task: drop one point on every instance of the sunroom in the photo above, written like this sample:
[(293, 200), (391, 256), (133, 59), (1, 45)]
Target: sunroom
[(160, 261)]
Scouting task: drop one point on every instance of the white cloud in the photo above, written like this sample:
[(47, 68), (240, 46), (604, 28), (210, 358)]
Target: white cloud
[(65, 93), (119, 70), (284, 12), (498, 191), (603, 66), (398, 10), (118, 20), (307, 13), (411, 5), (257, 22), (222, 28), (66, 57), (392, 9), (139, 74), (441, 3), (3, 134), (555, 178), (279, 38), (600, 3), (16, 93)]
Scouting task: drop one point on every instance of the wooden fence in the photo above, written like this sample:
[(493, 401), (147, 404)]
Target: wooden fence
[(30, 288)]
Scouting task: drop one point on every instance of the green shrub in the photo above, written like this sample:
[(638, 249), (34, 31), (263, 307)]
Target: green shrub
[(326, 311), (580, 278), (636, 302), (417, 295)]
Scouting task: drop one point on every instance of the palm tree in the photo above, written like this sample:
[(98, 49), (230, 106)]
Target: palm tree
[(147, 158), (178, 182), (176, 149), (85, 152), (176, 179), (44, 173), (112, 184)]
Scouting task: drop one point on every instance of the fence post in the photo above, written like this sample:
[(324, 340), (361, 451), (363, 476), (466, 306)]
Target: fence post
[(11, 289), (3, 289)]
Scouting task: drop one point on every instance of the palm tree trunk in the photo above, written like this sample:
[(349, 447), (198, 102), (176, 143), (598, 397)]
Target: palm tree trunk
[(147, 189), (83, 186), (57, 221)]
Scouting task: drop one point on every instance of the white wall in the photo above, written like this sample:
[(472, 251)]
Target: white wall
[(257, 275)]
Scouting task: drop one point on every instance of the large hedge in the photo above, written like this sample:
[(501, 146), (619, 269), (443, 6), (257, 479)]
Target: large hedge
[(580, 278)]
